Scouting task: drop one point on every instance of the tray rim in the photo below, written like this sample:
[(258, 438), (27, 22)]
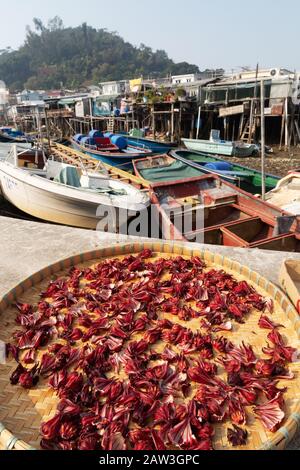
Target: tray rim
[(284, 435)]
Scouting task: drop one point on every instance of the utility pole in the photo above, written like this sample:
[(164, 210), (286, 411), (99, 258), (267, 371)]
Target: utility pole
[(263, 139)]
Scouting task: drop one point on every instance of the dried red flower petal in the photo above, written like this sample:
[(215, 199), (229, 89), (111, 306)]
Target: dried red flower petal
[(29, 378), (237, 436), (271, 413), (89, 442), (237, 412), (49, 429), (266, 323), (68, 431), (108, 307)]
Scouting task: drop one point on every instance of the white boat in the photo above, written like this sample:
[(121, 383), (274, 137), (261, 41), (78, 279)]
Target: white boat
[(217, 146), (64, 194), (286, 194)]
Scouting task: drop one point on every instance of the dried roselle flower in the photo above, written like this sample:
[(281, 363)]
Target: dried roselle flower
[(29, 357), (118, 332), (146, 253), (246, 395), (223, 327), (269, 305), (264, 368), (234, 379), (55, 348), (271, 413), (89, 442), (29, 378), (58, 379), (237, 412), (67, 445), (266, 323), (271, 390), (222, 344), (237, 436), (13, 350), (68, 431), (49, 429), (15, 376), (25, 309), (73, 335), (72, 384), (48, 364), (68, 408)]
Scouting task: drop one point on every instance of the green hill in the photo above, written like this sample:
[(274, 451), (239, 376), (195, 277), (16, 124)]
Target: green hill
[(53, 55)]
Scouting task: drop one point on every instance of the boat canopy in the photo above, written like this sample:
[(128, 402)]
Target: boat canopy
[(174, 171)]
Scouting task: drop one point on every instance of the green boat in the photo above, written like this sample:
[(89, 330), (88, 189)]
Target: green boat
[(162, 168), (249, 180)]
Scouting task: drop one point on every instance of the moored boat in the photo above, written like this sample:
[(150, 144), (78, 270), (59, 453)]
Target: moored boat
[(211, 211), (61, 193), (217, 146), (156, 146), (250, 179), (167, 168), (113, 150), (287, 193), (10, 135)]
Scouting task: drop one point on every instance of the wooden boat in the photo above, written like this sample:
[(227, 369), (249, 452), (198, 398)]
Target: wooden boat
[(61, 193), (7, 134), (110, 153), (208, 210), (221, 147), (287, 193), (166, 168), (155, 146), (82, 160), (250, 180)]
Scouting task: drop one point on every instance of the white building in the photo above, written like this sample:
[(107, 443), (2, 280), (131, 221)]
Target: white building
[(116, 88), (184, 79), (31, 96), (4, 94)]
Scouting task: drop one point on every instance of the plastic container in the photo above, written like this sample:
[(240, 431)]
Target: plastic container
[(108, 135), (87, 141), (94, 133), (78, 137), (119, 141), (219, 166)]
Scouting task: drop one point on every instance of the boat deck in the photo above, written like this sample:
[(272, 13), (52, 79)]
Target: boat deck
[(79, 159)]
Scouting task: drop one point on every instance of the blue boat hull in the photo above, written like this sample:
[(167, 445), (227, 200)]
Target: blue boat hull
[(156, 147), (124, 159)]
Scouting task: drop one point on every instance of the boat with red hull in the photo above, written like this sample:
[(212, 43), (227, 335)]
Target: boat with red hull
[(209, 210)]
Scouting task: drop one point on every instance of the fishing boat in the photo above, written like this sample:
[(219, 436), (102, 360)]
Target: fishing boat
[(136, 137), (217, 146), (287, 193), (250, 180), (167, 168), (114, 150), (209, 210), (62, 193), (10, 135)]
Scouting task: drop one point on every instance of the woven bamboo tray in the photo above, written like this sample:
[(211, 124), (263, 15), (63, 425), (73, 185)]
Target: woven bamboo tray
[(21, 411)]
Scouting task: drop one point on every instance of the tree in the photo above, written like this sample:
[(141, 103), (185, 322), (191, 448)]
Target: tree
[(53, 53)]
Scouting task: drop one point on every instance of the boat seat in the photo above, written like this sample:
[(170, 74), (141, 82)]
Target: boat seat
[(68, 176)]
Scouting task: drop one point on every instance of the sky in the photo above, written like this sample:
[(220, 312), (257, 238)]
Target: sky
[(210, 34)]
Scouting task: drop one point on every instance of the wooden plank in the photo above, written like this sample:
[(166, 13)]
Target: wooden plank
[(78, 159), (232, 110)]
